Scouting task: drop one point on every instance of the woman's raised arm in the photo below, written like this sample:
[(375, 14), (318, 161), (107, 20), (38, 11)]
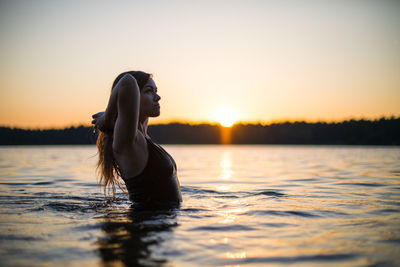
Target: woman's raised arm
[(124, 106)]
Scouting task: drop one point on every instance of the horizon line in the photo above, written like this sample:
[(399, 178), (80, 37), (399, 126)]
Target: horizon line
[(213, 123)]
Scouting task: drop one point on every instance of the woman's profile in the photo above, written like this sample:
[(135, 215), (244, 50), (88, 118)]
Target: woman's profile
[(126, 150)]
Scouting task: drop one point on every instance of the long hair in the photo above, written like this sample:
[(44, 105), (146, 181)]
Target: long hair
[(107, 168)]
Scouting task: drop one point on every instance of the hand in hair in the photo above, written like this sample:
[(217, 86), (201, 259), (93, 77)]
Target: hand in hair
[(100, 123)]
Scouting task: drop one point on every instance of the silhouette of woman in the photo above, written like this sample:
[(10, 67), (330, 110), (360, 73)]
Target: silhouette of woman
[(126, 150)]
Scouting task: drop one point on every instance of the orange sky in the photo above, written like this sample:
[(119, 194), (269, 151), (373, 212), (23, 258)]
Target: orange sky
[(257, 60)]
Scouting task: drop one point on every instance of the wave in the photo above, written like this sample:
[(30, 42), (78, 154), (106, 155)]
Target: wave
[(202, 192)]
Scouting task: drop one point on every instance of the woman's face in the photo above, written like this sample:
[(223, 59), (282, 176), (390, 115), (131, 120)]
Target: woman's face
[(149, 106)]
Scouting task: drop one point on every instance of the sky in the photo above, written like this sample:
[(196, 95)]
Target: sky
[(256, 61)]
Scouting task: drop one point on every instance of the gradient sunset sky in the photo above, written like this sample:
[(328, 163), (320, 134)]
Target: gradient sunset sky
[(259, 60)]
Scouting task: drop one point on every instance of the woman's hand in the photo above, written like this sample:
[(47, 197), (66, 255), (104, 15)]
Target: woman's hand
[(99, 122)]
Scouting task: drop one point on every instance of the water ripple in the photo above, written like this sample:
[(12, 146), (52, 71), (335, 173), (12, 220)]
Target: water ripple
[(279, 213), (223, 228), (298, 259)]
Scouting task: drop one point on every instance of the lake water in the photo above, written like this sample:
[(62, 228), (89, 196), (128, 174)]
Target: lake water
[(243, 206)]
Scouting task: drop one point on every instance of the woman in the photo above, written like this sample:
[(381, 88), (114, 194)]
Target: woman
[(126, 150)]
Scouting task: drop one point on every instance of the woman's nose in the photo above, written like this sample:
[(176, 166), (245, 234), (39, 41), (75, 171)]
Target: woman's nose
[(157, 97)]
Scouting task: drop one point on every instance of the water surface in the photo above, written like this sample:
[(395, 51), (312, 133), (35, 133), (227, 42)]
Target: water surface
[(243, 205)]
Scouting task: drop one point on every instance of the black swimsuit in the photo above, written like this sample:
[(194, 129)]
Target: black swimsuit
[(158, 183)]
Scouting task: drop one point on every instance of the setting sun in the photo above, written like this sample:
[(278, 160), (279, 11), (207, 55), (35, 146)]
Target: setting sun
[(226, 117)]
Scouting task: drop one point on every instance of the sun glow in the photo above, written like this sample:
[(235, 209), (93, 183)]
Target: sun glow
[(226, 117)]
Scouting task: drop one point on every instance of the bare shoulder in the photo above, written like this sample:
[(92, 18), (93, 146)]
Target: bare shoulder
[(133, 159)]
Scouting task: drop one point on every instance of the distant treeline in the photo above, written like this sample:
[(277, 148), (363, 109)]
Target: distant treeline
[(385, 131)]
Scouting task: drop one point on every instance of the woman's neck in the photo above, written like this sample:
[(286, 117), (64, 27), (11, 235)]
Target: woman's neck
[(142, 126)]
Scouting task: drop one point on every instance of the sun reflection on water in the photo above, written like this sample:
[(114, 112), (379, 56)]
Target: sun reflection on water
[(226, 165), (230, 215), (236, 255), (225, 240), (224, 187)]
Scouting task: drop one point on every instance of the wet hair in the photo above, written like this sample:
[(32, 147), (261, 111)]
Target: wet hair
[(107, 167)]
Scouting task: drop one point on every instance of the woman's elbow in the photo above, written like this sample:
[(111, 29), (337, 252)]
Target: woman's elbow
[(128, 86), (128, 80)]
